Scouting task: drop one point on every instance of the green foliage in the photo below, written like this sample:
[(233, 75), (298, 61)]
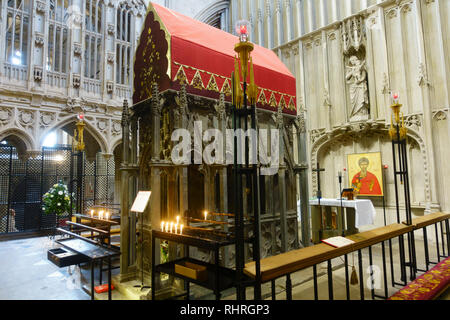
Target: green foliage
[(57, 200), (164, 251)]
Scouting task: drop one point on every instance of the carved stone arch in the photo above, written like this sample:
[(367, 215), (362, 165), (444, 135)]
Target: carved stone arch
[(114, 145), (329, 138), (210, 14), (21, 140), (91, 134)]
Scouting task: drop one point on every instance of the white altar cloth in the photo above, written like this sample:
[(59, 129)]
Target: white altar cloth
[(364, 210)]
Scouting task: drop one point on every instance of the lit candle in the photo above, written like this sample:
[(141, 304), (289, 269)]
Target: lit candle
[(92, 213), (107, 215), (181, 229), (100, 214), (167, 227), (176, 227), (206, 214), (395, 97), (178, 219), (162, 226), (171, 227)]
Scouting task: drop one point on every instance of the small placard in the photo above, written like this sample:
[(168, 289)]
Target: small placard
[(338, 242), (141, 201)]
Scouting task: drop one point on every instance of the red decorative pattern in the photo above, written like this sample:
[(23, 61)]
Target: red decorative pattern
[(202, 57), (428, 285)]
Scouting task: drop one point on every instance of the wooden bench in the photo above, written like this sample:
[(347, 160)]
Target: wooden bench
[(286, 263), (428, 286)]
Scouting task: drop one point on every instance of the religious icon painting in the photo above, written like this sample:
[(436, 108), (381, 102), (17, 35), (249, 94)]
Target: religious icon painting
[(365, 174)]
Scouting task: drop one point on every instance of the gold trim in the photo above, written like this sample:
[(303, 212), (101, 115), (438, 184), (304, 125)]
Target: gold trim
[(226, 88), (168, 39), (212, 84), (282, 103), (273, 100), (228, 79), (262, 97), (292, 104), (181, 76)]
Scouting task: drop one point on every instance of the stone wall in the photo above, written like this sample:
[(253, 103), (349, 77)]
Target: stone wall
[(402, 46)]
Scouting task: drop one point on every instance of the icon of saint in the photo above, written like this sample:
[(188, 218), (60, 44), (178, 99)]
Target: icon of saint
[(365, 182)]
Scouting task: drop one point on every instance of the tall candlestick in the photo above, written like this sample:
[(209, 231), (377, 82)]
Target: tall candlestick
[(162, 226), (167, 227), (176, 227), (181, 229), (171, 226)]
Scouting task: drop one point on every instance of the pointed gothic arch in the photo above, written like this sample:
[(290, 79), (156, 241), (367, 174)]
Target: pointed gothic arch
[(21, 140), (94, 140), (212, 14)]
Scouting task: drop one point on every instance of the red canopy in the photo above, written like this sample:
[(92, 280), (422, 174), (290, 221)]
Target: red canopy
[(176, 49)]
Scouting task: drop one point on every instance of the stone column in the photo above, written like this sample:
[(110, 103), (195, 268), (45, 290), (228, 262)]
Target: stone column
[(133, 188), (156, 118), (278, 24), (125, 244), (303, 178), (334, 10), (323, 12), (311, 16), (426, 91), (287, 19), (299, 15), (155, 211), (268, 26), (282, 180), (222, 119), (260, 28), (183, 171)]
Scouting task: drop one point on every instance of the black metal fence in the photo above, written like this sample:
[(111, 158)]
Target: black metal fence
[(23, 181), (98, 181)]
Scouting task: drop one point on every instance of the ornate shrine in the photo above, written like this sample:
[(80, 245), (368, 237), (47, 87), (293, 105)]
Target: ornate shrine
[(183, 81)]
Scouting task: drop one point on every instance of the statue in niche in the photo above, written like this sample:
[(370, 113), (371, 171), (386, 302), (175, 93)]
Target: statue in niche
[(356, 77)]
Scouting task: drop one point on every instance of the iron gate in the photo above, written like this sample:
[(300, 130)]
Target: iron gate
[(98, 182), (23, 181)]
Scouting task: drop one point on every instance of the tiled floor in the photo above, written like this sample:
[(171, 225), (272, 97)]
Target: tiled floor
[(26, 274)]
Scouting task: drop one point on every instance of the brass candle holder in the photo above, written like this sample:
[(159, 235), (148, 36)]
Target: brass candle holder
[(244, 48), (397, 120), (78, 138)]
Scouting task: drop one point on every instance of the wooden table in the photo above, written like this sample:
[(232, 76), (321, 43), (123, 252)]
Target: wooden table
[(107, 224), (93, 252)]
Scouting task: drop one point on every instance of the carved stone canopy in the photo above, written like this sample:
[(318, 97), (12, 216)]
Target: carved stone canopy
[(353, 35)]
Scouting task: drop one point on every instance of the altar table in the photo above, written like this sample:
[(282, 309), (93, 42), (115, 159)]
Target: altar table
[(358, 213)]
